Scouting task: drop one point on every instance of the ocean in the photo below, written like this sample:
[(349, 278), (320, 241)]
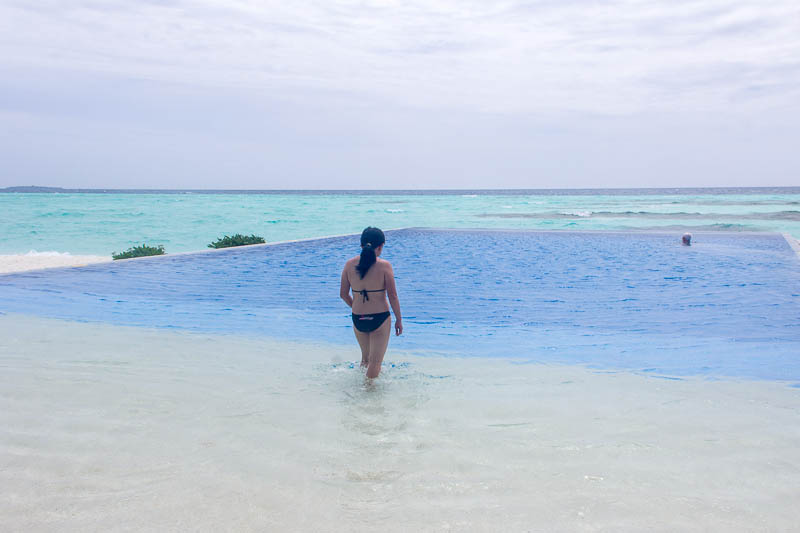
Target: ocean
[(104, 222)]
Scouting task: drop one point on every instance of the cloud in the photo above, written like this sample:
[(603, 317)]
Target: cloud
[(334, 93), (500, 56)]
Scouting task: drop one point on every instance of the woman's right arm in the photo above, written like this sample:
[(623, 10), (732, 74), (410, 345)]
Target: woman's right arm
[(344, 289), (394, 301)]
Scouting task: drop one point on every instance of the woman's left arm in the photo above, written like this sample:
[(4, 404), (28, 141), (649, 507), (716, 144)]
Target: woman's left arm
[(344, 289)]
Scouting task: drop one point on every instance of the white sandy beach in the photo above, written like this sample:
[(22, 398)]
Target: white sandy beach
[(38, 260), (118, 429)]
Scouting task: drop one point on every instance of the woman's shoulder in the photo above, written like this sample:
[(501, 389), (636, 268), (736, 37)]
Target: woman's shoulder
[(383, 263), (352, 261)]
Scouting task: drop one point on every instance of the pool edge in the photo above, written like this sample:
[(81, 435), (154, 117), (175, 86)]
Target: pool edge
[(793, 244), (196, 252)]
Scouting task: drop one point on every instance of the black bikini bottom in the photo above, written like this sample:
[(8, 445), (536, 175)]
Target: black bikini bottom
[(368, 323)]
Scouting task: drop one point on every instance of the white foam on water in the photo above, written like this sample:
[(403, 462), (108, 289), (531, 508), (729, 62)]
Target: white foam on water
[(51, 253), (108, 428)]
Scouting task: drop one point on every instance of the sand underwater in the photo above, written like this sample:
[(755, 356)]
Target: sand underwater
[(119, 428)]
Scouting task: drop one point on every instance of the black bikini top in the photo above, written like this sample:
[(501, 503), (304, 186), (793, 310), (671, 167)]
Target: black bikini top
[(364, 292)]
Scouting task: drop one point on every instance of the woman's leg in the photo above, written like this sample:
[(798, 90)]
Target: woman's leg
[(363, 341), (378, 341)]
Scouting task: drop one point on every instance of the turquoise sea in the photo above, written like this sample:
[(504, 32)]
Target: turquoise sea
[(101, 223)]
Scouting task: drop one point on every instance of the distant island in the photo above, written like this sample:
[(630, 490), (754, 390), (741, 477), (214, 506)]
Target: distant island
[(34, 188)]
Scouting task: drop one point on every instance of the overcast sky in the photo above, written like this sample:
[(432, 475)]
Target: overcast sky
[(399, 94)]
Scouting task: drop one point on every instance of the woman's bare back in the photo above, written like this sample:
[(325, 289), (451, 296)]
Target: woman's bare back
[(374, 301)]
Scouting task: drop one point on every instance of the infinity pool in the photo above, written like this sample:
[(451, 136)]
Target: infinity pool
[(727, 306)]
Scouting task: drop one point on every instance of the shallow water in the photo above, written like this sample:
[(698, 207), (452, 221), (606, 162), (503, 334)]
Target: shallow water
[(115, 428), (99, 224), (727, 306)]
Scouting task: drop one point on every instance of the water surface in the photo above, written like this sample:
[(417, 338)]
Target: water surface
[(107, 427), (727, 306)]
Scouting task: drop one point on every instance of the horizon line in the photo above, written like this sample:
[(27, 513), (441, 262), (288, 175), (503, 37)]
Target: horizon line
[(50, 189)]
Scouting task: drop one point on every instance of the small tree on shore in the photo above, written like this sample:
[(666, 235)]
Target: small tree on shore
[(236, 240), (139, 251)]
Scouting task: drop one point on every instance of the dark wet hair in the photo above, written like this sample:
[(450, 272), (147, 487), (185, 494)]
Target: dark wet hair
[(371, 238)]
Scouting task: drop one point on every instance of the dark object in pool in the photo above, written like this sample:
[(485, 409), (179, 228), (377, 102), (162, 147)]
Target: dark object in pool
[(139, 251), (686, 240), (229, 241)]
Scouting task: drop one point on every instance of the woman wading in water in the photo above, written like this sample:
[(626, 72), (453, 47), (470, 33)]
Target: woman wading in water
[(372, 282)]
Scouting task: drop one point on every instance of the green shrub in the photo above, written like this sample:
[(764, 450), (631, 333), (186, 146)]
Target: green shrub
[(139, 251), (236, 240)]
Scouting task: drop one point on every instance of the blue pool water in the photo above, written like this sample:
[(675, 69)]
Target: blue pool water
[(727, 306)]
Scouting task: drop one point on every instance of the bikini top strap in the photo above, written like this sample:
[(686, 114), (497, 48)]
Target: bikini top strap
[(365, 295)]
